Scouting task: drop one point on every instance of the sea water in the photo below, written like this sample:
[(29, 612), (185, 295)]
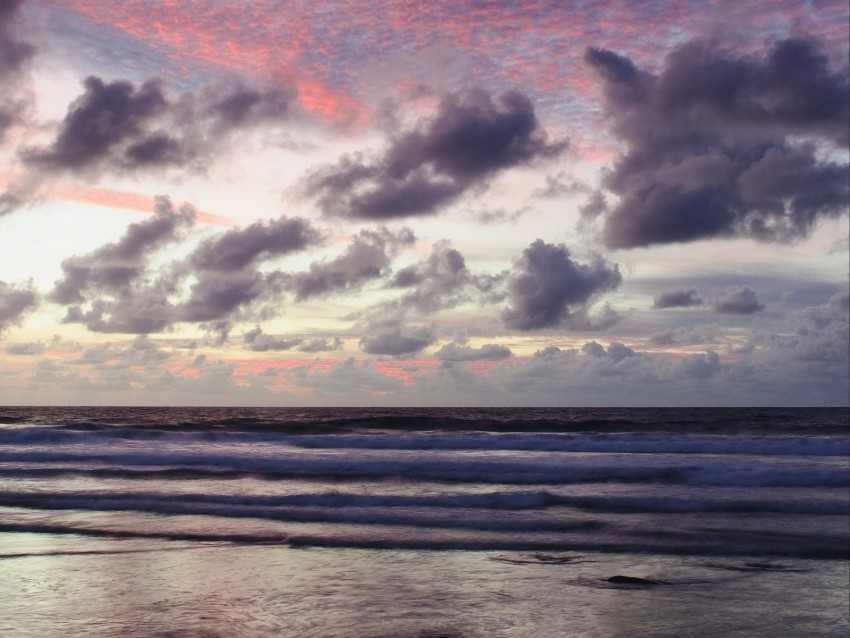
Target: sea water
[(423, 523)]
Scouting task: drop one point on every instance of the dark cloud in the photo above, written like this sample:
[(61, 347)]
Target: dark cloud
[(105, 117), (15, 55), (241, 248), (551, 289), (225, 267), (616, 351), (113, 267), (822, 332), (399, 341), (457, 350), (15, 302), (472, 137), (739, 300), (679, 298), (685, 336), (700, 366), (442, 281), (242, 106), (116, 126), (25, 348), (259, 341), (593, 207), (139, 310), (722, 145), (114, 288), (367, 257), (10, 202), (216, 296)]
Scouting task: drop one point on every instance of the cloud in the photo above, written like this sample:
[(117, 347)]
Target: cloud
[(15, 302), (820, 335), (242, 248), (399, 341), (15, 55), (739, 300), (700, 366), (722, 145), (472, 137), (103, 118), (560, 185), (678, 298), (259, 341), (616, 351), (25, 348), (441, 281), (114, 267), (225, 267), (457, 350), (125, 296), (686, 336), (367, 257), (550, 289), (347, 382), (119, 127), (327, 344)]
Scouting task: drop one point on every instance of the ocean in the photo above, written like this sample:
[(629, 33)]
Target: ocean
[(424, 523)]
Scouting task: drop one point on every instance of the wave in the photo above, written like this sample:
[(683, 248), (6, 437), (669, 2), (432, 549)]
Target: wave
[(329, 420), (276, 507), (642, 443), (448, 468), (683, 544)]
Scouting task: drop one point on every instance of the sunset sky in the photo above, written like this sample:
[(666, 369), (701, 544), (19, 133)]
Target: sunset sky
[(424, 203)]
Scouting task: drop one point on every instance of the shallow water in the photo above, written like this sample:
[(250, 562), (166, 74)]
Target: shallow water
[(173, 589)]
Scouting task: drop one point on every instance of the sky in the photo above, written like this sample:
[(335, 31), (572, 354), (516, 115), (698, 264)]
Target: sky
[(405, 203)]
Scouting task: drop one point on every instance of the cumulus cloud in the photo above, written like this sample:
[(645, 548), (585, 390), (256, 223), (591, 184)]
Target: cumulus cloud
[(441, 281), (399, 341), (113, 288), (259, 341), (719, 144), (103, 118), (117, 126), (15, 302), (739, 300), (113, 267), (225, 267), (458, 350), (25, 348), (321, 344), (678, 298), (14, 57), (472, 137), (686, 336), (616, 351), (550, 289), (820, 335), (241, 248), (367, 257), (14, 53)]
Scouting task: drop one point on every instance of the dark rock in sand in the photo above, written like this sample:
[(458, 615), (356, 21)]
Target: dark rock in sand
[(633, 580)]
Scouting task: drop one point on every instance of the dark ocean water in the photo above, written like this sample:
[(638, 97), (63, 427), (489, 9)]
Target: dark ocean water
[(731, 492)]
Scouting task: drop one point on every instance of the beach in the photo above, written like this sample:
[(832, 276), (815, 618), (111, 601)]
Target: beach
[(405, 524)]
